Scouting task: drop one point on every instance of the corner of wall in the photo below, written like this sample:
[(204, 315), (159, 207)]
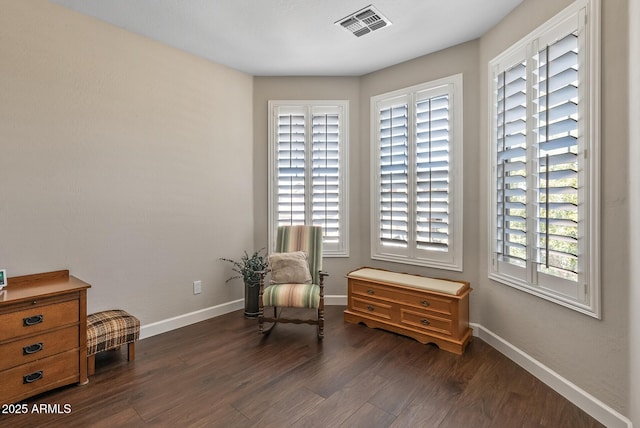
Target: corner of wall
[(634, 155)]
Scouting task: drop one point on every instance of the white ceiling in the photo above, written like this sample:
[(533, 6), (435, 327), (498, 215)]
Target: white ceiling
[(298, 37)]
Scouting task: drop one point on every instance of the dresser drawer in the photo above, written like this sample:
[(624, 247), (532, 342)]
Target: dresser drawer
[(431, 303), (425, 322), (417, 299), (33, 348), (34, 320), (375, 309), (365, 289), (41, 375)]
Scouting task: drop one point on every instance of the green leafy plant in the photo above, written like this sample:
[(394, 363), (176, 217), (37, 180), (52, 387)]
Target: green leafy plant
[(249, 267)]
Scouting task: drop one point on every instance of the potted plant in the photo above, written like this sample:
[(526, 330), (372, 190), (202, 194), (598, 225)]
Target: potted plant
[(249, 268)]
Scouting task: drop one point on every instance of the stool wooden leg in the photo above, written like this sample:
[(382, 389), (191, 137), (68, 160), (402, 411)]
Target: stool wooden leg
[(91, 364), (131, 351)]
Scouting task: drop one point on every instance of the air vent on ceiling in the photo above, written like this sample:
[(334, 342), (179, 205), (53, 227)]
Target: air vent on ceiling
[(364, 21)]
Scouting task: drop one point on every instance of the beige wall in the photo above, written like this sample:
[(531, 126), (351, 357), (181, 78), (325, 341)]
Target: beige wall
[(358, 91), (592, 354), (123, 160), (458, 59), (634, 198), (310, 88)]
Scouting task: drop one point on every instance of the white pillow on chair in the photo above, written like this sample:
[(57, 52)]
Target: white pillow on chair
[(289, 268)]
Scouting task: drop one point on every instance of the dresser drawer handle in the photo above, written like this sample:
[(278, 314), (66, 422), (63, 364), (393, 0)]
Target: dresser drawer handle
[(29, 321), (425, 322), (371, 292), (425, 303), (371, 308), (32, 349), (32, 377)]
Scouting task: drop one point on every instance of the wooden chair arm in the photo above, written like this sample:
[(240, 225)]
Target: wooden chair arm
[(322, 274)]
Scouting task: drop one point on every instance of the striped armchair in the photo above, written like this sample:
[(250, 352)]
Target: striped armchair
[(295, 295)]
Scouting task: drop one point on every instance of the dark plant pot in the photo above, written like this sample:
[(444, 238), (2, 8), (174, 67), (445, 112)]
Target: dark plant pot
[(251, 293)]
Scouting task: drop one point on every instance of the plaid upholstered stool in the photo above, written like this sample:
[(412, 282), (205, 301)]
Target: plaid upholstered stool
[(109, 330)]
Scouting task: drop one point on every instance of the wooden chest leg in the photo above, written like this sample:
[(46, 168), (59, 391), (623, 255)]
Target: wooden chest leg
[(131, 351), (91, 364)]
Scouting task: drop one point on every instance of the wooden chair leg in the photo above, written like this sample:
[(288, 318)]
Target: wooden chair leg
[(261, 328), (131, 351), (320, 323), (91, 364)]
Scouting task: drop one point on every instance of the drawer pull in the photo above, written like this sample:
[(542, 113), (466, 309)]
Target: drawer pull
[(425, 303), (32, 377), (371, 308), (371, 292), (29, 321), (32, 349), (425, 322)]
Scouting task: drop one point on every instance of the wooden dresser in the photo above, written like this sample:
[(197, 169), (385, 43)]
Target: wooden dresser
[(426, 309), (43, 334)]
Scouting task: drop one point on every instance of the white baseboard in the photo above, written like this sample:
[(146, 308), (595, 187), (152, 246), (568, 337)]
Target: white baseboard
[(169, 324), (335, 300), (184, 320), (581, 398)]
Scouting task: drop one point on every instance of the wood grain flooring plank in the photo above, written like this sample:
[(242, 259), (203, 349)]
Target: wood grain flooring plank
[(429, 406), (287, 408), (201, 413), (343, 403), (369, 416)]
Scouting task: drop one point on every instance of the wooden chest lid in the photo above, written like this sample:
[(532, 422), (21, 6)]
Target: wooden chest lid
[(444, 286)]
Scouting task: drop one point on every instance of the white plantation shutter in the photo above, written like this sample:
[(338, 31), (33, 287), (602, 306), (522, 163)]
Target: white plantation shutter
[(511, 174), (308, 184), (291, 169), (557, 144), (394, 176), (417, 137), (545, 147), (432, 173), (326, 175)]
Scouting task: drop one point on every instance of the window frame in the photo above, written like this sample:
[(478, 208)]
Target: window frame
[(341, 107), (453, 258), (582, 16)]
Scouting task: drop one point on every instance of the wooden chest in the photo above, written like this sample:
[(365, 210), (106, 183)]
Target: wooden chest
[(426, 309), (43, 325)]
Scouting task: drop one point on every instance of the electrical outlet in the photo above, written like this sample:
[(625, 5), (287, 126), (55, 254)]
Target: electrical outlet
[(197, 287)]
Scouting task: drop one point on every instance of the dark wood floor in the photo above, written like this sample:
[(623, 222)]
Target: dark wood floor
[(221, 373)]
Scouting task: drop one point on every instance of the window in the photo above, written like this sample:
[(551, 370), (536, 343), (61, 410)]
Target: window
[(544, 168), (417, 179), (307, 158)]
